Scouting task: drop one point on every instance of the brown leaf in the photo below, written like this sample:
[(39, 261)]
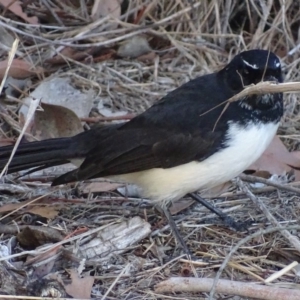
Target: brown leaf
[(276, 159), (61, 92), (93, 54), (16, 8), (180, 205), (147, 57), (13, 206), (262, 174), (99, 186), (33, 236), (6, 141), (58, 59), (48, 212), (103, 8), (217, 190), (79, 287), (19, 69), (69, 52), (55, 121), (104, 54)]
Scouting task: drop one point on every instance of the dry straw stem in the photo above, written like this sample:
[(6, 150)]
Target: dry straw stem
[(262, 88), (285, 187), (281, 272), (34, 104), (11, 56), (291, 238), (266, 87), (238, 245), (32, 108), (116, 280), (228, 287)]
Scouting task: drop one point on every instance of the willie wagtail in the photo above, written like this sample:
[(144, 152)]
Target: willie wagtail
[(183, 143)]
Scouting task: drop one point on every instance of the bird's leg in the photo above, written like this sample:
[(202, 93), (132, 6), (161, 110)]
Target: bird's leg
[(165, 210), (237, 226)]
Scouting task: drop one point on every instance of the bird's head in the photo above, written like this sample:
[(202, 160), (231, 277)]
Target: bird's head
[(251, 67)]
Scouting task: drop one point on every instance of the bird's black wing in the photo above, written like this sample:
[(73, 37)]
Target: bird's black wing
[(139, 149)]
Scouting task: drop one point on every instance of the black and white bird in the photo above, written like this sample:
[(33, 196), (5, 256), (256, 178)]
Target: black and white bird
[(177, 146)]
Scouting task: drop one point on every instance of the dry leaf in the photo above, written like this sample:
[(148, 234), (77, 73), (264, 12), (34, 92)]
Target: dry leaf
[(99, 186), (217, 190), (19, 69), (34, 236), (147, 57), (180, 205), (69, 52), (55, 121), (134, 47), (59, 91), (103, 8), (15, 7), (276, 159), (13, 206), (262, 174), (92, 54), (48, 212), (79, 288), (6, 141)]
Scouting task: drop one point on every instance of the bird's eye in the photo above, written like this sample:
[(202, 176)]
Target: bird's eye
[(246, 72)]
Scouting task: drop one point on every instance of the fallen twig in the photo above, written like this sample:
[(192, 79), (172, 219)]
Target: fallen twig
[(284, 187), (243, 289), (103, 119)]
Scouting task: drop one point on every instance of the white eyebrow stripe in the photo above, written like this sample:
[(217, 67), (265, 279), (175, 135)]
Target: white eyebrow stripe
[(249, 65)]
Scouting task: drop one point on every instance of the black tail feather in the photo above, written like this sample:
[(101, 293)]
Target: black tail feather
[(41, 154)]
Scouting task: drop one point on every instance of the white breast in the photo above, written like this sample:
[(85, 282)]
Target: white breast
[(243, 147)]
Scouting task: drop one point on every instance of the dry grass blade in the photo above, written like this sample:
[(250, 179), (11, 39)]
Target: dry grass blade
[(267, 87), (11, 56), (281, 272), (261, 88), (34, 104), (229, 287)]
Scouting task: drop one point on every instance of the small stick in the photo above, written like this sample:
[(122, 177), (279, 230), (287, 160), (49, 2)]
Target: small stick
[(284, 187), (243, 289), (103, 119)]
